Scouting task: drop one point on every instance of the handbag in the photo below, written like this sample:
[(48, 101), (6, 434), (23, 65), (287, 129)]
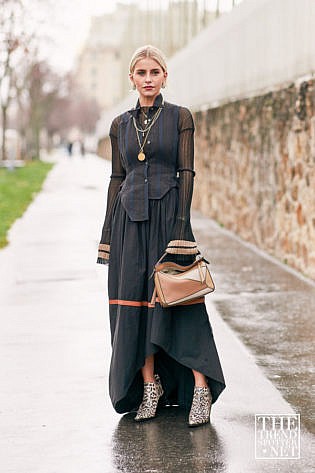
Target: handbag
[(181, 285)]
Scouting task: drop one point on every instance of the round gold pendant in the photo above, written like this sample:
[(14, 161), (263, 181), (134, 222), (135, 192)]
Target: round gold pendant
[(141, 156)]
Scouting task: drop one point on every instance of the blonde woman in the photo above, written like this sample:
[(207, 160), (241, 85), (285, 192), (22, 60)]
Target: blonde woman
[(160, 356)]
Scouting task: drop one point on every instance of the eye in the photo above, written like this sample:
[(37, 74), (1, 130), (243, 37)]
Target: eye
[(140, 73)]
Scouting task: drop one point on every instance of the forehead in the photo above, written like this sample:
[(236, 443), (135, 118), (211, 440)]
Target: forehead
[(147, 63)]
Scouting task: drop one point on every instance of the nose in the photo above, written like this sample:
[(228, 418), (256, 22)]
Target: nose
[(148, 77)]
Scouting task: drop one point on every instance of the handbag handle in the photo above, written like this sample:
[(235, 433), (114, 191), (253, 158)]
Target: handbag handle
[(198, 257)]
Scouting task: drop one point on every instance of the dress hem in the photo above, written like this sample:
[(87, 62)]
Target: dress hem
[(159, 347)]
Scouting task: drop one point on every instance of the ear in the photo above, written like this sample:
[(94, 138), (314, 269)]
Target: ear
[(131, 78)]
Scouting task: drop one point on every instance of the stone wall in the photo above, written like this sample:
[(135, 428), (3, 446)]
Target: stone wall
[(255, 171)]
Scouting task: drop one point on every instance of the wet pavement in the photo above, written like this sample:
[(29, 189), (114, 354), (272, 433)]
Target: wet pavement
[(271, 308), (55, 412)]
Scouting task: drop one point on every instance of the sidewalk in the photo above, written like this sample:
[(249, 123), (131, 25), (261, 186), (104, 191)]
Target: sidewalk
[(270, 306), (55, 412)]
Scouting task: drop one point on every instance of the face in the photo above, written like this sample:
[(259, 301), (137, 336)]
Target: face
[(148, 77)]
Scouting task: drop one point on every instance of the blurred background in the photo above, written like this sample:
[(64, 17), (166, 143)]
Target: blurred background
[(64, 63)]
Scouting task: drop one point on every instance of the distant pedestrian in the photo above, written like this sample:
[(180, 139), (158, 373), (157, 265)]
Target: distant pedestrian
[(164, 356), (82, 148), (69, 148)]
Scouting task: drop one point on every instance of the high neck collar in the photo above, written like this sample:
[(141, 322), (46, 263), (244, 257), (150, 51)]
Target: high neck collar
[(158, 102)]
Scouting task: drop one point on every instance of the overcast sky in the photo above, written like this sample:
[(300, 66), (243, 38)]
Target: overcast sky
[(68, 24)]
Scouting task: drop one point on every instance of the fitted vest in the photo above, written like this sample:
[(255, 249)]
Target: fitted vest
[(157, 174)]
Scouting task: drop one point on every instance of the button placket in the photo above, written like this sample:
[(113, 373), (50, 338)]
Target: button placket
[(146, 187), (146, 172)]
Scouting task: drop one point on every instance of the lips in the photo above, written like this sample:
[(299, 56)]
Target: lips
[(149, 87)]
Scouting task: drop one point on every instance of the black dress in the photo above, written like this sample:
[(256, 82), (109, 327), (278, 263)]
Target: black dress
[(148, 210)]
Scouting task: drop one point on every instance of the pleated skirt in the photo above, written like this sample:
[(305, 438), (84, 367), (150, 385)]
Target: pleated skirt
[(180, 337)]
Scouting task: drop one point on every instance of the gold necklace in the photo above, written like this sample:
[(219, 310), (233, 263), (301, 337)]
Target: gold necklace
[(141, 155), (144, 130), (147, 119)]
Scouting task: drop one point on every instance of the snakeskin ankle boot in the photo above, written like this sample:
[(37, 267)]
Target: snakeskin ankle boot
[(151, 395), (200, 407)]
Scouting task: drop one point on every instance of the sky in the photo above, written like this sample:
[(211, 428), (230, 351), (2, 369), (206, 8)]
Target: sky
[(69, 22)]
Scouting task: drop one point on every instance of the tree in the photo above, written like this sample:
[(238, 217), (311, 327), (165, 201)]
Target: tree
[(56, 104), (43, 92), (72, 109), (13, 47)]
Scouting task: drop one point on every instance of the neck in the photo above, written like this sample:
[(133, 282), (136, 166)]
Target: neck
[(147, 101)]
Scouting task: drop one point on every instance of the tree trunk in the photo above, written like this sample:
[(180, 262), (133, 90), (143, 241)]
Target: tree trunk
[(37, 142), (4, 126)]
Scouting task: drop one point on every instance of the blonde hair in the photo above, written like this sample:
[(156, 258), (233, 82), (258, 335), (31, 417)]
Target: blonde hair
[(148, 51)]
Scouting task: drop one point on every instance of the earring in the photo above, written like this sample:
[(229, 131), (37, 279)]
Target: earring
[(163, 85), (133, 87)]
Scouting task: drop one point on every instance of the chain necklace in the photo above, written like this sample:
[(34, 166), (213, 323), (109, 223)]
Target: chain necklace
[(144, 130), (147, 119), (141, 155)]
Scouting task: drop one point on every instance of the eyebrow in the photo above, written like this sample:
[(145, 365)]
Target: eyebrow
[(141, 70)]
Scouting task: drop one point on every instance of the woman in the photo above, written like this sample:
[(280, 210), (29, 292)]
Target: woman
[(159, 355)]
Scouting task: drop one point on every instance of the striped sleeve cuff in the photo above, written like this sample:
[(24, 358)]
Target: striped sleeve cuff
[(182, 247), (103, 253)]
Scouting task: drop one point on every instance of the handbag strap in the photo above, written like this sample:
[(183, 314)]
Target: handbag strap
[(153, 298), (163, 256)]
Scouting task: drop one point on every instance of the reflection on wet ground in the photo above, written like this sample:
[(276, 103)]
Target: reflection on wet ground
[(270, 308), (166, 444)]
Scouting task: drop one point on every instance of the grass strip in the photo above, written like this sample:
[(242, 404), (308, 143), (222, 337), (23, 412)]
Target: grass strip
[(17, 190)]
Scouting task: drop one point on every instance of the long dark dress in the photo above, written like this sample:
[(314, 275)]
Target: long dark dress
[(180, 337)]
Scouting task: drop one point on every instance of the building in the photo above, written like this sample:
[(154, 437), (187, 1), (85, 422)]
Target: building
[(99, 68), (103, 64)]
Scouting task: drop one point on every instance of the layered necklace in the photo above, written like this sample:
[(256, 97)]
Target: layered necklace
[(145, 131)]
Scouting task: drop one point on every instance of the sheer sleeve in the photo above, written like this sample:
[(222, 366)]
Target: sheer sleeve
[(117, 176), (183, 241)]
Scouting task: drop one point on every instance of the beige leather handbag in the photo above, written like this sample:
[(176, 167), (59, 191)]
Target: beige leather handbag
[(181, 285)]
